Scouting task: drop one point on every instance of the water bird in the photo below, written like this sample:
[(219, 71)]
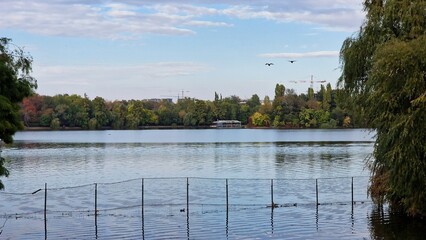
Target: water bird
[(292, 61), (269, 64)]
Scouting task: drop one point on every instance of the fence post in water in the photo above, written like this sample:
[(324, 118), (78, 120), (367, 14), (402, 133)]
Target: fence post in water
[(187, 195), (142, 200), (227, 196), (352, 190), (142, 197), (316, 191), (142, 212), (272, 193), (96, 209), (45, 210)]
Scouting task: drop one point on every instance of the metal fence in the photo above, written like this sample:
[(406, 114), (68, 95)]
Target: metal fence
[(186, 195)]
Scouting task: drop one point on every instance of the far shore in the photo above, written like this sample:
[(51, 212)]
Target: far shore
[(107, 128), (153, 128)]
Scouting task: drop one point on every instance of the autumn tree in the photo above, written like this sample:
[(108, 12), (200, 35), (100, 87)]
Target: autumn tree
[(31, 109), (16, 83), (383, 71)]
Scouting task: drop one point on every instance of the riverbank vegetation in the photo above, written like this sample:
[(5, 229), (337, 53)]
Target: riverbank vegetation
[(384, 69), (326, 108)]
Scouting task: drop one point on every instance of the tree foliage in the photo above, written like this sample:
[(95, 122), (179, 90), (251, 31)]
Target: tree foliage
[(384, 72), (73, 111), (16, 83)]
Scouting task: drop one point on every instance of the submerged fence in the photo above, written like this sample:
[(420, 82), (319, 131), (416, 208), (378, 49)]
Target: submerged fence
[(170, 196), (186, 192)]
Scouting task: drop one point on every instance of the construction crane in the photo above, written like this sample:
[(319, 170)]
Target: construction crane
[(182, 93), (312, 81), (178, 97)]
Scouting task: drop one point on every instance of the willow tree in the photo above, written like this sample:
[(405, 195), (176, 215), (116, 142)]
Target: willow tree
[(15, 84), (384, 69)]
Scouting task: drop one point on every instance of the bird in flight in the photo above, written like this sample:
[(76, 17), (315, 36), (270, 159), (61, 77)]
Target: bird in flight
[(292, 61), (269, 64)]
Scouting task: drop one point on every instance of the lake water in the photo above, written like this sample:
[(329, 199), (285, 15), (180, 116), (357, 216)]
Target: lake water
[(190, 184)]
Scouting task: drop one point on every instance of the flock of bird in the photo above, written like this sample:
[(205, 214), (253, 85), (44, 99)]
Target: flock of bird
[(270, 64)]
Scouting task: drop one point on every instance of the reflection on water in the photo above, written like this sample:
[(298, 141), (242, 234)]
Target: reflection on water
[(214, 222), (65, 164), (208, 157), (387, 224)]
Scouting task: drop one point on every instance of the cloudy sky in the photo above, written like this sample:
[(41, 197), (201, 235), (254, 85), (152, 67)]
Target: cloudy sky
[(138, 49)]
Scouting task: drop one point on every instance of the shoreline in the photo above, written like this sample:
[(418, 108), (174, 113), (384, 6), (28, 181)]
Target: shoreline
[(163, 127)]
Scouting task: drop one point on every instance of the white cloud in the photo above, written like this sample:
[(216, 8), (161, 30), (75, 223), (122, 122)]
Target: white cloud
[(301, 55), (110, 21), (131, 19), (339, 19), (120, 10)]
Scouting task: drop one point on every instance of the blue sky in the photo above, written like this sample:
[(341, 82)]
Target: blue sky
[(139, 49)]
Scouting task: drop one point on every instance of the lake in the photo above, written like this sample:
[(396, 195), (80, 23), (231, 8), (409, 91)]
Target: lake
[(191, 184)]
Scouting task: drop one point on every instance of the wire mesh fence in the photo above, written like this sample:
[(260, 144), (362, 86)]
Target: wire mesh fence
[(142, 198), (184, 191)]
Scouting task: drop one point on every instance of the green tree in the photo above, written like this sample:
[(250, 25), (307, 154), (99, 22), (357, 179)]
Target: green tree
[(307, 118), (384, 69), (311, 94), (168, 114), (79, 109), (245, 112), (254, 103), (16, 83), (118, 114), (135, 114), (266, 107), (55, 124), (276, 122), (326, 98), (216, 97), (260, 120), (46, 117), (279, 94), (62, 113), (93, 124), (100, 112), (189, 120), (200, 111)]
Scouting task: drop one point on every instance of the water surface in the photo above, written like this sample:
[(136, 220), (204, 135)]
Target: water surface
[(224, 177)]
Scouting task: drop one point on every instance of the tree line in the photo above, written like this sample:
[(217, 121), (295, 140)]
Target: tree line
[(323, 109)]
